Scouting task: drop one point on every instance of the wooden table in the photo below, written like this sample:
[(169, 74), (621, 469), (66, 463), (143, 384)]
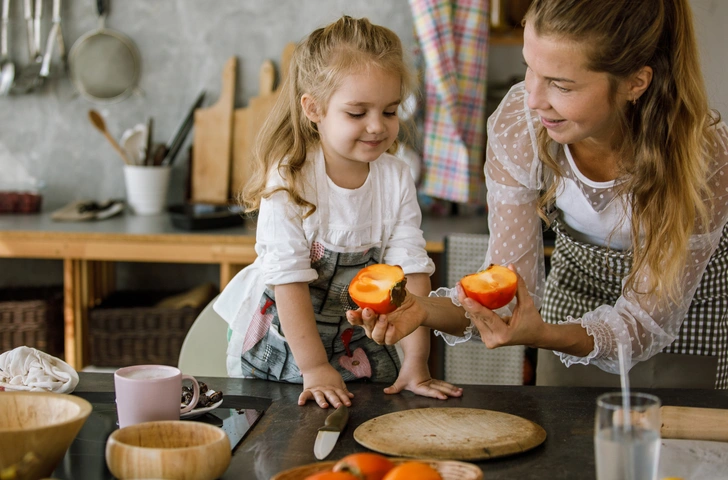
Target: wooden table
[(89, 250), (283, 437)]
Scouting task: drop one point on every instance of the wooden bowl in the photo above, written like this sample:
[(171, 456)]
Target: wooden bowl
[(448, 469), (36, 429), (183, 450)]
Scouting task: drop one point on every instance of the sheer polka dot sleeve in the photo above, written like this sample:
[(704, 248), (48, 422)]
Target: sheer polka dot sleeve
[(513, 181)]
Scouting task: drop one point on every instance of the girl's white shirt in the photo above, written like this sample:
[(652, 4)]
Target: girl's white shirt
[(593, 212), (383, 212)]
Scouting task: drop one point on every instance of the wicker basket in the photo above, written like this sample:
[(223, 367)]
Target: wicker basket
[(128, 329), (32, 317)]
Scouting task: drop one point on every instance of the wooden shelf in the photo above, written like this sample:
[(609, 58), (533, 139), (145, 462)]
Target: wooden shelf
[(512, 36)]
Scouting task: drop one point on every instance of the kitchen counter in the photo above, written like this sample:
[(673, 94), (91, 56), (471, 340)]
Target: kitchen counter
[(283, 437)]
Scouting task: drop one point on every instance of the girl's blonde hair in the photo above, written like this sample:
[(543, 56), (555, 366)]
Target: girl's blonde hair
[(318, 66), (666, 140)]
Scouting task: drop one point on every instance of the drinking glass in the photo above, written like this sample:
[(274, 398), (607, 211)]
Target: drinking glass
[(627, 446)]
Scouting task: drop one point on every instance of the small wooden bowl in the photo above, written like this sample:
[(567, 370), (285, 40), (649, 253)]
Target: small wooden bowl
[(168, 449), (41, 425), (448, 469)]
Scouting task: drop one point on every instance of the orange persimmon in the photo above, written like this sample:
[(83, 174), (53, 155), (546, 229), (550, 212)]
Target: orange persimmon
[(493, 287), (366, 465), (413, 470), (380, 287)]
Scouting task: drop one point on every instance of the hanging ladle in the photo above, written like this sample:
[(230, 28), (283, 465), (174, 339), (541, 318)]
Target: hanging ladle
[(98, 121), (7, 67)]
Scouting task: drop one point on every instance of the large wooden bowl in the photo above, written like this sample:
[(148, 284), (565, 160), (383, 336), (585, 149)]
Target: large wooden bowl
[(177, 449), (36, 429)]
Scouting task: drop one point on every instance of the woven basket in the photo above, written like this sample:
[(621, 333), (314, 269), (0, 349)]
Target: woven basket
[(127, 329), (32, 317)]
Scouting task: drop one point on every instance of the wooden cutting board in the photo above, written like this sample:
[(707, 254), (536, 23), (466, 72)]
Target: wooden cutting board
[(213, 144), (449, 434), (248, 121)]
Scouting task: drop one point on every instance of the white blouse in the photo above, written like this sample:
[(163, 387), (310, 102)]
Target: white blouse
[(383, 212), (591, 211)]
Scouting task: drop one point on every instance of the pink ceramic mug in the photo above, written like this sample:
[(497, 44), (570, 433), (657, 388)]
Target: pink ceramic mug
[(146, 393)]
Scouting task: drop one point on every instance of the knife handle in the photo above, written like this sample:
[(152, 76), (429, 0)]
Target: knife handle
[(694, 423), (336, 421)]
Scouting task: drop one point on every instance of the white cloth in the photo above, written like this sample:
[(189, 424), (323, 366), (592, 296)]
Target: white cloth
[(25, 368), (381, 213), (515, 177)]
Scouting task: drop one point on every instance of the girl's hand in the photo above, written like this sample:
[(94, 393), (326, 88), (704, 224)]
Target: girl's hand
[(391, 328), (415, 377), (524, 327), (324, 385)]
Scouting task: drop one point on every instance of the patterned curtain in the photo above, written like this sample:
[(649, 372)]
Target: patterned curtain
[(453, 38)]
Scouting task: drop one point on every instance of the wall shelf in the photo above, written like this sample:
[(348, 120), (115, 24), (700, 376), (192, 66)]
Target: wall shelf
[(512, 36)]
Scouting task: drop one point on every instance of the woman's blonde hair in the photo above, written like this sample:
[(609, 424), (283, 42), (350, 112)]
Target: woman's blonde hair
[(666, 139), (318, 66)]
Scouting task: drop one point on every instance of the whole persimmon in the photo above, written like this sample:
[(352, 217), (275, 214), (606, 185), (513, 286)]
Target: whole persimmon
[(330, 475), (366, 465), (413, 470), (493, 287), (380, 287)]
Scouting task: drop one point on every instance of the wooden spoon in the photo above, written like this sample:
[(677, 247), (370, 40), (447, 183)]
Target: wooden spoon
[(98, 121)]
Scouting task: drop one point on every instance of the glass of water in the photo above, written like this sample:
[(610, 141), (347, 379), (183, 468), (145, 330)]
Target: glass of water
[(627, 445)]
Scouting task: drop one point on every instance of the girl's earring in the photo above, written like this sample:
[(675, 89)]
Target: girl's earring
[(634, 100)]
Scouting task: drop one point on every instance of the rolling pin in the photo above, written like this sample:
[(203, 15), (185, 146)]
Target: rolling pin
[(692, 423)]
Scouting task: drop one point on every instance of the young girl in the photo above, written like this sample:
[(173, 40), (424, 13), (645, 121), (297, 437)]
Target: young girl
[(330, 200)]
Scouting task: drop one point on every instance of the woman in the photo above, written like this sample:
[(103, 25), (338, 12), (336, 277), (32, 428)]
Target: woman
[(611, 143)]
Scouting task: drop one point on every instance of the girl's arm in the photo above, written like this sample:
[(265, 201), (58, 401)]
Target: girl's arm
[(321, 382), (415, 373)]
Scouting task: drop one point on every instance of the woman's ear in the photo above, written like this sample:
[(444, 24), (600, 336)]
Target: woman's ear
[(639, 82), (308, 104)]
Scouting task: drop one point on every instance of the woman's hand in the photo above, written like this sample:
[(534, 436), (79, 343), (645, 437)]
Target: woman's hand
[(524, 327), (391, 328), (415, 377), (324, 385)]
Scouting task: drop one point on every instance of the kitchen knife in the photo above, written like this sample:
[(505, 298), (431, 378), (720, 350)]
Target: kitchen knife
[(329, 433), (694, 423)]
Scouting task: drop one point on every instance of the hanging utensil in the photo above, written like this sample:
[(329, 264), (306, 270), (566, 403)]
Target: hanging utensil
[(54, 36), (29, 77), (105, 65), (7, 67), (98, 121)]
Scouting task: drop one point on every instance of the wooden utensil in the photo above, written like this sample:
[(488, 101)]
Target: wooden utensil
[(449, 434), (694, 423), (248, 121), (448, 469), (98, 121), (213, 144)]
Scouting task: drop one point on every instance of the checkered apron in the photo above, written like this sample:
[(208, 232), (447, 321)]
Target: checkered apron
[(584, 276)]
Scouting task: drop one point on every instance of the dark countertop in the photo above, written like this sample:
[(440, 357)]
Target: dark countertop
[(283, 437)]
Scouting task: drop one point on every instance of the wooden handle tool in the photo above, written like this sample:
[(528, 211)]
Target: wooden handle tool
[(694, 423)]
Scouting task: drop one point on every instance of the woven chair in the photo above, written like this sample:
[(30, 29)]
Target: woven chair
[(472, 362), (204, 349)]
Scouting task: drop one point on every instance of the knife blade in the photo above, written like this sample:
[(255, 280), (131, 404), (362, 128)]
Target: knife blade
[(328, 434)]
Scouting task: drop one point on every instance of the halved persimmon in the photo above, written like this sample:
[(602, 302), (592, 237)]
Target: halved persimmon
[(493, 287), (413, 470), (380, 287), (365, 465), (331, 475)]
